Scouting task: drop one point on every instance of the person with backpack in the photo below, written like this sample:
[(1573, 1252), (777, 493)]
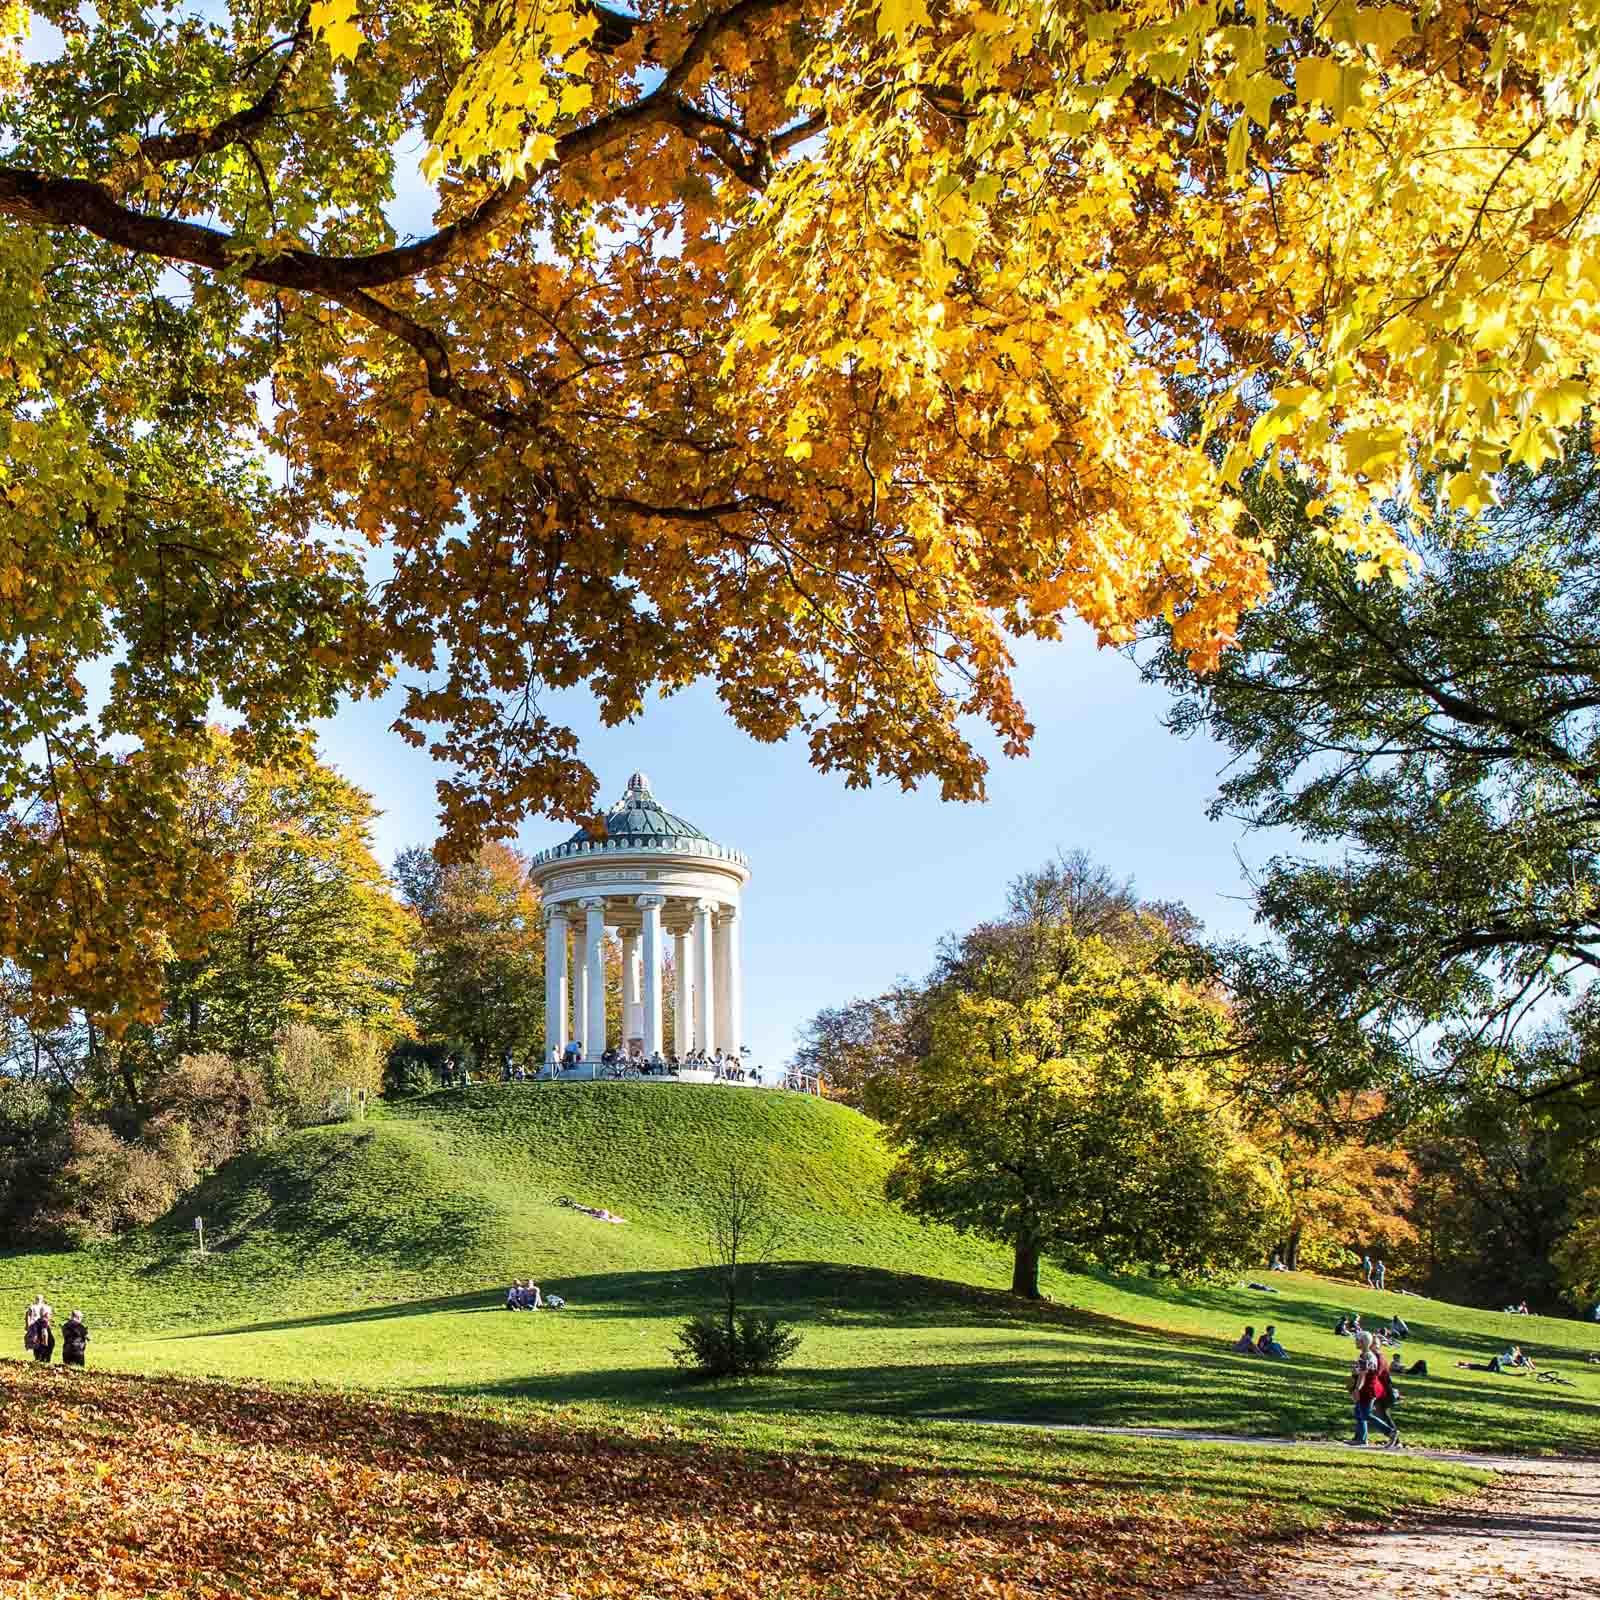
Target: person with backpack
[(44, 1340), (74, 1340)]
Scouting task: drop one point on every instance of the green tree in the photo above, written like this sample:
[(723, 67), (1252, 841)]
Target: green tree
[(1437, 749), (1058, 1112), (311, 933), (480, 953)]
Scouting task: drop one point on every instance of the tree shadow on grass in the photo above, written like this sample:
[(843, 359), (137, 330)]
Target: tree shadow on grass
[(814, 1294), (1008, 1360), (302, 1210), (1135, 1383), (350, 1428)]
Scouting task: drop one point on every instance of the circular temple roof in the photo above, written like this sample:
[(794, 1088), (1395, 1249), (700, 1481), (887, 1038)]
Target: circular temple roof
[(638, 819)]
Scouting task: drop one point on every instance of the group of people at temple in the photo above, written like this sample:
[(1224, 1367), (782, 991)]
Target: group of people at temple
[(724, 1066), (39, 1334)]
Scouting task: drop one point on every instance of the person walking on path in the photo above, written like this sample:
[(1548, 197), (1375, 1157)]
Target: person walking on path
[(1378, 1273), (74, 1340), (1369, 1382), (1366, 1269)]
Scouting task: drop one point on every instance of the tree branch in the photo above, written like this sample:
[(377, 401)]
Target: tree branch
[(40, 199), (161, 148)]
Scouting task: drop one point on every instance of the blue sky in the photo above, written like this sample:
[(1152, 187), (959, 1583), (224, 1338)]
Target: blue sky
[(851, 889)]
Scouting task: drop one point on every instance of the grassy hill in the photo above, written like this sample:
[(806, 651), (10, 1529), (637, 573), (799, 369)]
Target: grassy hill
[(457, 1192), (375, 1256)]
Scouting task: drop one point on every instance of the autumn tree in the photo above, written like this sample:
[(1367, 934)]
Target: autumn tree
[(817, 348), (315, 934), (867, 1049), (1059, 1112), (480, 958), (1348, 1190)]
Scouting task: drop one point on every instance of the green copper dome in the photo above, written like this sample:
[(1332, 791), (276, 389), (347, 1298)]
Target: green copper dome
[(638, 819)]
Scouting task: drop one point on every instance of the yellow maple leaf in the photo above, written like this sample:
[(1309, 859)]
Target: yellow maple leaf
[(335, 21)]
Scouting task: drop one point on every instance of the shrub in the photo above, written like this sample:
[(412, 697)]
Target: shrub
[(105, 1185), (224, 1105), (716, 1347), (315, 1077), (414, 1066)]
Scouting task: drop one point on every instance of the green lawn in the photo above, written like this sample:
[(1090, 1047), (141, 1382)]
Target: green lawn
[(374, 1257)]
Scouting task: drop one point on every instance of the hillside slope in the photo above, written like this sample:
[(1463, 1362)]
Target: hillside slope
[(457, 1192)]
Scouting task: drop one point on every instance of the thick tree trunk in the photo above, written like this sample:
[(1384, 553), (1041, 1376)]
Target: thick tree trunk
[(1291, 1253), (1025, 1271)]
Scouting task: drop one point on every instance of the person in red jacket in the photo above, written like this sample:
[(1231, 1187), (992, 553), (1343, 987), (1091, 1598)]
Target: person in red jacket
[(1371, 1384)]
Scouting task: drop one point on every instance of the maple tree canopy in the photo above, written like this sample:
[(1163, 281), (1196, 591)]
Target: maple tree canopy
[(815, 349)]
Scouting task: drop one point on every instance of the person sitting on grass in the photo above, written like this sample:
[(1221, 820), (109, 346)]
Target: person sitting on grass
[(1397, 1329), (74, 1340), (1267, 1345), (1342, 1327), (1246, 1346), (523, 1296)]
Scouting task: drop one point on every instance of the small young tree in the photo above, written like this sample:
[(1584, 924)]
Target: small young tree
[(742, 1230)]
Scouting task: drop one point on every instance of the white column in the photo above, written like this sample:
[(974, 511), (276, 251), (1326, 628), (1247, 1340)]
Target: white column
[(650, 905), (724, 983), (594, 958), (555, 984), (630, 988), (682, 1006), (735, 983), (580, 990), (705, 981)]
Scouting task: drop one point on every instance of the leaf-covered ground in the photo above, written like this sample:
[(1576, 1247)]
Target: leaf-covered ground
[(117, 1486)]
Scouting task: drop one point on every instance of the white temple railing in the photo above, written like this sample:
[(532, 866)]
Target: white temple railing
[(677, 846)]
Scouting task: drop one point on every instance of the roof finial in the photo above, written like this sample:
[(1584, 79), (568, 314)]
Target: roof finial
[(638, 786)]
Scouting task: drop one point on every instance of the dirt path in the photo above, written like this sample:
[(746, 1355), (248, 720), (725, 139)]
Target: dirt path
[(1533, 1534)]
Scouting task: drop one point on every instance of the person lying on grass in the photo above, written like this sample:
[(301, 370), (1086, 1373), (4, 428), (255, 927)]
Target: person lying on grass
[(1510, 1361)]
